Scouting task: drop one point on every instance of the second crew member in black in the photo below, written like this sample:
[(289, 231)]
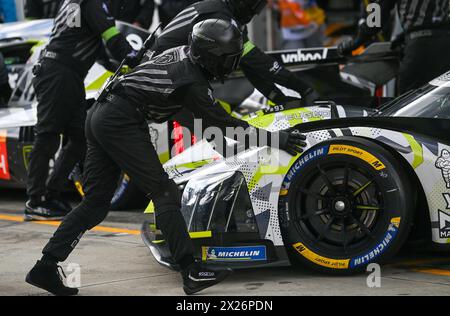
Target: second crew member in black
[(42, 9), (426, 38), (260, 69), (76, 41), (119, 140)]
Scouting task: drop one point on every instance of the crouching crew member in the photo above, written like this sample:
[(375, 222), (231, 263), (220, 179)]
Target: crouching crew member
[(119, 141), (74, 45)]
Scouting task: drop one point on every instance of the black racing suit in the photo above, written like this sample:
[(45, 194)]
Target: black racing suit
[(427, 39), (133, 11), (119, 141), (74, 45), (168, 9), (42, 9), (260, 69)]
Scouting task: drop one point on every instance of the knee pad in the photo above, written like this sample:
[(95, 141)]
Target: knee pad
[(168, 199)]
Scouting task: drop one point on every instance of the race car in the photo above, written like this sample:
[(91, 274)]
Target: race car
[(22, 42), (362, 188)]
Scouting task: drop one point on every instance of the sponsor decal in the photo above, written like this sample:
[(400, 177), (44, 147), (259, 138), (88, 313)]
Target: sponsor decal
[(364, 259), (447, 199), (443, 163), (302, 116), (444, 225), (4, 168), (303, 161), (381, 247), (239, 254), (359, 153), (319, 260), (304, 55), (26, 151), (444, 219)]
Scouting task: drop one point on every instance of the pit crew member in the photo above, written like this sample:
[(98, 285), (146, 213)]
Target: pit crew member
[(119, 140)]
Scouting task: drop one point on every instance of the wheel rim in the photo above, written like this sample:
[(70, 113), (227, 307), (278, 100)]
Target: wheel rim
[(339, 205)]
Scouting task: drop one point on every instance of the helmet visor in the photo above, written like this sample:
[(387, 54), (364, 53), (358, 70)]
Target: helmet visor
[(230, 63)]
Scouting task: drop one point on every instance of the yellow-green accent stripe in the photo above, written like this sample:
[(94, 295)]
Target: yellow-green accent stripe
[(199, 235), (196, 235), (110, 33), (248, 47), (98, 84), (150, 208), (417, 150)]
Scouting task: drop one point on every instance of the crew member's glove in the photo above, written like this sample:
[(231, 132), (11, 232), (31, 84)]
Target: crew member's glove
[(132, 59), (292, 142), (347, 47)]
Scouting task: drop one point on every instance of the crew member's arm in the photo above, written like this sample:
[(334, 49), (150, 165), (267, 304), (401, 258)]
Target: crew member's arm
[(200, 101), (99, 19), (263, 72), (145, 17), (366, 33)]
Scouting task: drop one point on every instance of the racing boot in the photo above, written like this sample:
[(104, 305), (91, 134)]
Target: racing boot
[(197, 277), (43, 210), (47, 275)]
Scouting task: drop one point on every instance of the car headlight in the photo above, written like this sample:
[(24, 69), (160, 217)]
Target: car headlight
[(219, 203)]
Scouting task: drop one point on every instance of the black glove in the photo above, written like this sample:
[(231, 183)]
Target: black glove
[(348, 46), (364, 35), (292, 142)]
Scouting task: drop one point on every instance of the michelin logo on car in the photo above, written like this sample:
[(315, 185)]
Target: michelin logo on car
[(256, 253)]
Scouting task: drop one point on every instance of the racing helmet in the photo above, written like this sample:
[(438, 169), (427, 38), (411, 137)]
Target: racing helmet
[(217, 46), (246, 10)]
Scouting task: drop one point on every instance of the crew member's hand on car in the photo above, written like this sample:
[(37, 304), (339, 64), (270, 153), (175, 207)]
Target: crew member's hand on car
[(347, 47), (292, 142)]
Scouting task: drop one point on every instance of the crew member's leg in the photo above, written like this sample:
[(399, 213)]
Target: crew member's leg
[(74, 150), (127, 140), (120, 137), (102, 176), (50, 85)]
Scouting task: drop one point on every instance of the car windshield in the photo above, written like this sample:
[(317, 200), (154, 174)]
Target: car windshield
[(430, 101)]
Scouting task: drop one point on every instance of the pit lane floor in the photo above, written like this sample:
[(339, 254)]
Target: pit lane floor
[(114, 261)]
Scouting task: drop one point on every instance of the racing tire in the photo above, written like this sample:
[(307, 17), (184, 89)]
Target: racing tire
[(128, 196), (345, 204)]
